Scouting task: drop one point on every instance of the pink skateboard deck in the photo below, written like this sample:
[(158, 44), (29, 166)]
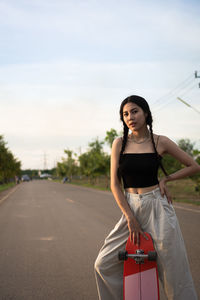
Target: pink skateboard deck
[(140, 270)]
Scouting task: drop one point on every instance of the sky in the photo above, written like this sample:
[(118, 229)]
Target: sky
[(65, 67)]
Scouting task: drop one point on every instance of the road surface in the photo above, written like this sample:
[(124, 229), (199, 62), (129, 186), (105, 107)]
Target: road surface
[(50, 234)]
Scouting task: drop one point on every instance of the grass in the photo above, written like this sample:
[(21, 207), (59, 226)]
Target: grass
[(6, 186), (101, 183), (91, 186), (184, 191), (181, 190)]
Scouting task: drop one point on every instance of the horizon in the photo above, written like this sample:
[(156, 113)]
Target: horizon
[(65, 67)]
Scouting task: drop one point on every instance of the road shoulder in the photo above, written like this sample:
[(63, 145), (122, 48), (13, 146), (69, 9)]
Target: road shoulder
[(6, 193)]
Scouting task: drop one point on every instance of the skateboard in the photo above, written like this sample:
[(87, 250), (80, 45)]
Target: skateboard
[(140, 270)]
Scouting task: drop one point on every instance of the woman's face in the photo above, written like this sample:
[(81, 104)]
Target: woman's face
[(133, 116)]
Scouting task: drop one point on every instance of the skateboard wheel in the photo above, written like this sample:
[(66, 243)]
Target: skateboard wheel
[(152, 255), (122, 255)]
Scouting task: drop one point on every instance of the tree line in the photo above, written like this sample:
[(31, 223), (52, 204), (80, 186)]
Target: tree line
[(92, 164), (9, 165), (95, 163)]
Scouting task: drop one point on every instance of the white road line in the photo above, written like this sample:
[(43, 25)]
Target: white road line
[(8, 195), (187, 209), (70, 200)]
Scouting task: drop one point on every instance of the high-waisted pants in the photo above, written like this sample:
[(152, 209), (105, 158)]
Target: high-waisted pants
[(157, 217)]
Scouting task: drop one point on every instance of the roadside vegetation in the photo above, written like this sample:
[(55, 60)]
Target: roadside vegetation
[(92, 168), (10, 167), (181, 190), (5, 186)]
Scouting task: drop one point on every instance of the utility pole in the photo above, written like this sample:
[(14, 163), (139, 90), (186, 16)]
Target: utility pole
[(45, 161), (197, 76)]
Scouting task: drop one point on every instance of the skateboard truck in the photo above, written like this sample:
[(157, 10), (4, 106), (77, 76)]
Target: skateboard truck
[(140, 275), (139, 256)]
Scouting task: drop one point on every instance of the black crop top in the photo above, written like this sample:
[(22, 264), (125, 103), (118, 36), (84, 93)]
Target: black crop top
[(139, 169)]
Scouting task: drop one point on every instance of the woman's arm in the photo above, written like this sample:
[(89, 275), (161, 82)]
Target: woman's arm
[(116, 188), (191, 166), (115, 184)]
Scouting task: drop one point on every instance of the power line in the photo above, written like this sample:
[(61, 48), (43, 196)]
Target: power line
[(181, 89), (188, 90), (179, 86)]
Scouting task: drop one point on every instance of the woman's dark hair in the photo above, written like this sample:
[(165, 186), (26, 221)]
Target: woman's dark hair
[(142, 103)]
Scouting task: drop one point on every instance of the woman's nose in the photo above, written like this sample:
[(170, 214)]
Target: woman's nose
[(130, 117)]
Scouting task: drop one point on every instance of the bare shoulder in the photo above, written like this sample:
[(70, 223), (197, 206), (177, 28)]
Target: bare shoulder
[(171, 148), (163, 144), (160, 138), (164, 140), (117, 143), (156, 138), (116, 148)]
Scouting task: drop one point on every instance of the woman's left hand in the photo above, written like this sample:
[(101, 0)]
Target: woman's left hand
[(164, 190)]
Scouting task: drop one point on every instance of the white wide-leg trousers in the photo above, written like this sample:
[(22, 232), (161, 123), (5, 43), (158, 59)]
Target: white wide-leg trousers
[(157, 217)]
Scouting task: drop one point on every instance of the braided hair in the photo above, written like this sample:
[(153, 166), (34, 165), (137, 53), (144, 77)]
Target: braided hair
[(142, 103)]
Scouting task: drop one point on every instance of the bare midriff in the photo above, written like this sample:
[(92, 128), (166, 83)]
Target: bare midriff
[(141, 190)]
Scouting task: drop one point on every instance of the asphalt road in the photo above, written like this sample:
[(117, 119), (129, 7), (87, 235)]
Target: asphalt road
[(50, 234)]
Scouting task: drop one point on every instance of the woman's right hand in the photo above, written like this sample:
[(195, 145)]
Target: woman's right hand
[(164, 190), (135, 231)]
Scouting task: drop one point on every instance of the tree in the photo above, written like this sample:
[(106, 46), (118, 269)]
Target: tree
[(187, 146), (9, 165), (68, 166), (172, 165), (110, 136), (94, 162)]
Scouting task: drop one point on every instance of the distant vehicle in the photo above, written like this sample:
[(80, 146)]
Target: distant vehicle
[(45, 176), (25, 178)]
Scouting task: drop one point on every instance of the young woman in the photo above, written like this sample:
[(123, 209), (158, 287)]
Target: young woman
[(146, 205)]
